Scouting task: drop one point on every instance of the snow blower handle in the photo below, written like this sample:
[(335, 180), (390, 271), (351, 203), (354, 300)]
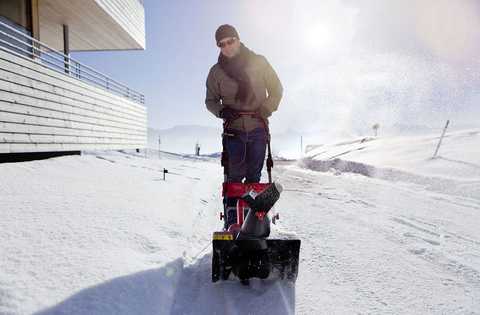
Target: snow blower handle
[(269, 159), (269, 156)]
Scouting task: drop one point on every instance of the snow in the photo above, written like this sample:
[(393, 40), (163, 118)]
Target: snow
[(384, 230), (457, 158)]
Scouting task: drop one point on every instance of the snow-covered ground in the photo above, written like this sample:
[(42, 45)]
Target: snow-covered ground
[(384, 230)]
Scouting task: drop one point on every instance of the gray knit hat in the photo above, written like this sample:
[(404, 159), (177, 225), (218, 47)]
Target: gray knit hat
[(225, 31)]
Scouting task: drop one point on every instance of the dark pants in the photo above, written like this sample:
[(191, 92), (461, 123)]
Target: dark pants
[(246, 156)]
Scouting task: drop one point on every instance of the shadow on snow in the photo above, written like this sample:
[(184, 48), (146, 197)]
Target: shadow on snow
[(177, 288)]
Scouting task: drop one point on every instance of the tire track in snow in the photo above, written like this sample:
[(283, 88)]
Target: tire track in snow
[(350, 243)]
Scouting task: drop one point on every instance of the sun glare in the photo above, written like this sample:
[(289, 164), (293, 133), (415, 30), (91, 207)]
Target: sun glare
[(318, 36)]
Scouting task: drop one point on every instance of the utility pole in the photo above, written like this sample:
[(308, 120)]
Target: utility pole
[(301, 145)]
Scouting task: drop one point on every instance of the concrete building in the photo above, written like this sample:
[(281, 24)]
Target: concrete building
[(49, 102)]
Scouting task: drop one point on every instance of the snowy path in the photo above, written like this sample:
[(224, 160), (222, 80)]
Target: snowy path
[(106, 235)]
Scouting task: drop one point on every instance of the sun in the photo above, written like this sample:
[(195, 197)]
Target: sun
[(318, 37)]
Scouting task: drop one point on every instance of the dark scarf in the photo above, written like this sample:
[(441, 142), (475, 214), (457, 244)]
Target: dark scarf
[(235, 69)]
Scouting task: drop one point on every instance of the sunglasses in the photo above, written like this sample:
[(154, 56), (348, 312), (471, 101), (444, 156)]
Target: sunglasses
[(228, 42)]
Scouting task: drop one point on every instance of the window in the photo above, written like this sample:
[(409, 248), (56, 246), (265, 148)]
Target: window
[(17, 11), (16, 14)]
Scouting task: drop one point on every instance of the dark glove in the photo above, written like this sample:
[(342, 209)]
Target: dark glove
[(263, 112), (229, 114)]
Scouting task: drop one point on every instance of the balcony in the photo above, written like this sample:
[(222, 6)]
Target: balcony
[(22, 45), (50, 102)]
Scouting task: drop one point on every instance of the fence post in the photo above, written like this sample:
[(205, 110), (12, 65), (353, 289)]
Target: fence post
[(159, 143), (440, 141)]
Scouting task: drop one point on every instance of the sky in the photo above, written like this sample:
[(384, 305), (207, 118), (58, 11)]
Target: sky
[(344, 65)]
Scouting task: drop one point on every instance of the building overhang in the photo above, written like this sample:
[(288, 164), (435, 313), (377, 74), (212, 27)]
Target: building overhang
[(93, 24)]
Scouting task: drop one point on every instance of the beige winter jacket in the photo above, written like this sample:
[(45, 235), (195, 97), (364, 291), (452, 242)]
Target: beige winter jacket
[(221, 92)]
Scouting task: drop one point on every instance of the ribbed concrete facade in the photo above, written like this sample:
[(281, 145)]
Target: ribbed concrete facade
[(44, 110), (93, 24), (129, 14)]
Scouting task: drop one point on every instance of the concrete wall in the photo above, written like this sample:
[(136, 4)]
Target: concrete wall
[(130, 14), (93, 24), (43, 110)]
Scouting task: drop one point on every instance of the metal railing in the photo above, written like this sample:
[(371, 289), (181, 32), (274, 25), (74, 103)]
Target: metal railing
[(23, 45)]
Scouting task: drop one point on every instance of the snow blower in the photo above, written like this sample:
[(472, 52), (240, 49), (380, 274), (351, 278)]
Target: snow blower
[(242, 249)]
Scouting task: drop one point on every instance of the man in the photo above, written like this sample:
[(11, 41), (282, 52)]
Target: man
[(242, 82)]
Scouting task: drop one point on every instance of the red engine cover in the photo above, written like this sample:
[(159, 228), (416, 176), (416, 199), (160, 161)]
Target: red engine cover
[(236, 190)]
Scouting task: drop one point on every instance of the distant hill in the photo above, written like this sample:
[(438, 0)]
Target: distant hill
[(182, 139)]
